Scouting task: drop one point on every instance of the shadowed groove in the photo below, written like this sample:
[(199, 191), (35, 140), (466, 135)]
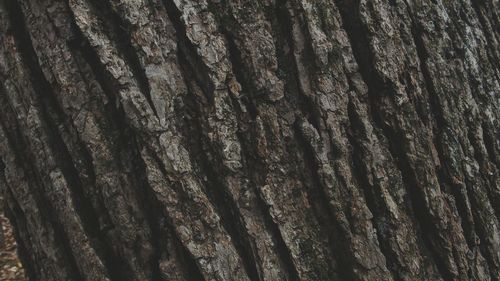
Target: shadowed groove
[(376, 88), (305, 105), (119, 31)]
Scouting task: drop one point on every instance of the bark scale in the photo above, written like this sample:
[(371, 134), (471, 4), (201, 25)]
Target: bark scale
[(252, 140)]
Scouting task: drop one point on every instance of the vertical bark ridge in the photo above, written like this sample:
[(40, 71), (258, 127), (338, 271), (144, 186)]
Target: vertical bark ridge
[(166, 259), (128, 155), (320, 98), (282, 21), (46, 233), (56, 180), (255, 66), (478, 174), (85, 124), (382, 185), (417, 168), (226, 191), (29, 195), (220, 74), (252, 140), (174, 159), (439, 120), (486, 11), (249, 244), (122, 30)]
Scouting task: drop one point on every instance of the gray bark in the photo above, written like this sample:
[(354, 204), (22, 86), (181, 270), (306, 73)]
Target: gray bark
[(252, 140)]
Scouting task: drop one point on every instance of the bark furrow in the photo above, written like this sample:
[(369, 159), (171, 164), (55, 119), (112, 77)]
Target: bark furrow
[(252, 140)]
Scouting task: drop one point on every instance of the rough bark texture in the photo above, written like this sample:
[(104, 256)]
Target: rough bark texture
[(252, 140)]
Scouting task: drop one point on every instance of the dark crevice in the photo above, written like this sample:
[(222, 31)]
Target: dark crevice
[(458, 191), (251, 102), (475, 144), (120, 31), (336, 234), (208, 164), (434, 98), (239, 69), (230, 215), (194, 272), (461, 192), (126, 141), (86, 165), (249, 245), (26, 161), (304, 101), (198, 68), (152, 210), (308, 102), (493, 171), (282, 22), (480, 210), (377, 87), (419, 103), (129, 159), (371, 192), (51, 112), (193, 67), (249, 97), (187, 261), (492, 55), (480, 206), (258, 169), (287, 63), (439, 131), (310, 109), (149, 202), (2, 163), (489, 142), (281, 247)]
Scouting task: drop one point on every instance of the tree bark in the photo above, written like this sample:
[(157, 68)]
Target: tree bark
[(252, 140)]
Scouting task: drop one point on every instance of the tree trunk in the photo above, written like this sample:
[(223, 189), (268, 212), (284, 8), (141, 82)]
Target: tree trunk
[(252, 140)]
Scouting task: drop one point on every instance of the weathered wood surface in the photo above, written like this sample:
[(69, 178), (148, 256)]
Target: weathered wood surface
[(252, 140)]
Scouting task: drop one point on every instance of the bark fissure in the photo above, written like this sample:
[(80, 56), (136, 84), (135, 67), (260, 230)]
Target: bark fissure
[(441, 123), (370, 193), (188, 50), (19, 148), (466, 195), (214, 187), (120, 30), (227, 208), (117, 116), (52, 114), (337, 241), (376, 89), (251, 140)]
